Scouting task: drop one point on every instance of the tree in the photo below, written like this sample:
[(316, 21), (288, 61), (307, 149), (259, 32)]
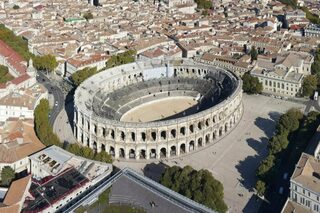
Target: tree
[(46, 63), (309, 85), (253, 53), (199, 186), (278, 143), (251, 84), (7, 175), (265, 166), (103, 157), (260, 187), (204, 4), (16, 7), (121, 58), (81, 75), (88, 16)]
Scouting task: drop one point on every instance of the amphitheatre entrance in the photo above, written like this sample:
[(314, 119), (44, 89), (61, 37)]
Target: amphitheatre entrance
[(159, 109)]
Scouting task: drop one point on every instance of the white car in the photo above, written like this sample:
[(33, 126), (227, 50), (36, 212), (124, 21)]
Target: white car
[(56, 104)]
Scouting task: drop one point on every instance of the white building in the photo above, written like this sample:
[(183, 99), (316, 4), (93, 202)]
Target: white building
[(304, 186), (283, 75), (21, 103)]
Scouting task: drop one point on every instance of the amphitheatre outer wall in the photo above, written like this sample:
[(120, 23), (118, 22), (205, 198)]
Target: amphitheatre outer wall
[(155, 139)]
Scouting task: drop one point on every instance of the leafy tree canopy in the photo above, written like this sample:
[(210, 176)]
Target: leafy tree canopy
[(81, 75), (251, 84), (7, 175), (204, 4), (199, 186), (46, 62), (309, 85), (121, 58)]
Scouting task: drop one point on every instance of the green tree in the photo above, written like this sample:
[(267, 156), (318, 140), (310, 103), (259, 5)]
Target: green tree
[(16, 7), (253, 53), (260, 187), (265, 166), (81, 75), (251, 84), (88, 16), (199, 186), (7, 175), (103, 157), (278, 143), (309, 85), (47, 63), (204, 4), (121, 58)]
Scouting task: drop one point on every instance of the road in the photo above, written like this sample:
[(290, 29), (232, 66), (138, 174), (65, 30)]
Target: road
[(57, 94)]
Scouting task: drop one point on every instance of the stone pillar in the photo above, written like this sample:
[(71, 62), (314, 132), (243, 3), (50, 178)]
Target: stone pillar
[(116, 152), (147, 154), (98, 147)]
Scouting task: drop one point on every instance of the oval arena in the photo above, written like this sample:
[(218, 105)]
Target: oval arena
[(156, 109)]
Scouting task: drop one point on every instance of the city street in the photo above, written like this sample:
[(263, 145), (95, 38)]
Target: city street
[(57, 94)]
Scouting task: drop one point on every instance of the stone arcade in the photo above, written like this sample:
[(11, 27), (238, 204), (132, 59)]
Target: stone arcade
[(103, 99)]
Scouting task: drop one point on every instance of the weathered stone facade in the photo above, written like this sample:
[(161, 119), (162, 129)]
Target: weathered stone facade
[(158, 139)]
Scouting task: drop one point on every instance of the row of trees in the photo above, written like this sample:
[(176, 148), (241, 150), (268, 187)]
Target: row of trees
[(48, 137), (15, 42), (293, 129), (313, 18), (251, 84), (81, 75), (46, 63), (121, 58), (199, 186), (312, 82)]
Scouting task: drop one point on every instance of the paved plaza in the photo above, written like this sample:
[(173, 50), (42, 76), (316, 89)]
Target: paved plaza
[(234, 159)]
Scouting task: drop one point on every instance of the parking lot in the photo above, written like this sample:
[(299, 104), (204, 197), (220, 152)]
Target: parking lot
[(234, 159)]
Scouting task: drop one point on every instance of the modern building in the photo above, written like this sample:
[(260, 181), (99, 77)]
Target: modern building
[(131, 188), (304, 186), (59, 178), (283, 74)]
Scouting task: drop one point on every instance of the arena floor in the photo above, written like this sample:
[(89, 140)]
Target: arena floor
[(158, 109)]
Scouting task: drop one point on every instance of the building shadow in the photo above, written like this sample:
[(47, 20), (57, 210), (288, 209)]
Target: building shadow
[(253, 204), (69, 107), (154, 171)]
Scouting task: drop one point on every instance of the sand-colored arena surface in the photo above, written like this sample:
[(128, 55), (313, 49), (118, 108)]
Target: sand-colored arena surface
[(159, 109)]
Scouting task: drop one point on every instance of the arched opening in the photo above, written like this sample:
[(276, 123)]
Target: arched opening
[(226, 127), (220, 132), (200, 125), (182, 148), (214, 135), (94, 146), (207, 122), (214, 119), (103, 147), (200, 144), (112, 134), (104, 132), (173, 151), (163, 135), (121, 153), (153, 153), (111, 151), (163, 152), (122, 136), (132, 154), (191, 128), (142, 154), (143, 136), (154, 136), (191, 145), (183, 130), (133, 136), (207, 138), (173, 133)]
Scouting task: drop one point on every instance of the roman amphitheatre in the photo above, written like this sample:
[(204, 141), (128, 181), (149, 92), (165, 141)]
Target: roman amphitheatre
[(156, 109)]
